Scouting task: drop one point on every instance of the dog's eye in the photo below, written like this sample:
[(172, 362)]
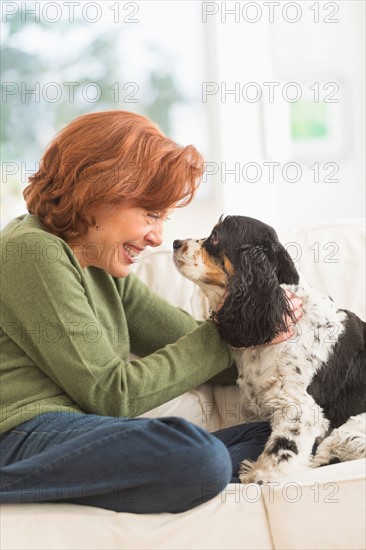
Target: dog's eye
[(213, 238)]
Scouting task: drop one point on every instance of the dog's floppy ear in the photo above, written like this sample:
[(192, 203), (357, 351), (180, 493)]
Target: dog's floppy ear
[(255, 306), (285, 268)]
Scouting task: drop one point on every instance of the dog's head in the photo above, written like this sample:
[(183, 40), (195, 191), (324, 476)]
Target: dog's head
[(240, 267)]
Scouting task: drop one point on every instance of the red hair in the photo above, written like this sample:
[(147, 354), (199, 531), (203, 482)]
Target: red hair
[(109, 158)]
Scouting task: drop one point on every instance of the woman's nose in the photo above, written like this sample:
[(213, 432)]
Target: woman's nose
[(155, 236)]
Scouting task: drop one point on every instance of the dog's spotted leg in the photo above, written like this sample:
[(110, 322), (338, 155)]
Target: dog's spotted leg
[(347, 442), (290, 444)]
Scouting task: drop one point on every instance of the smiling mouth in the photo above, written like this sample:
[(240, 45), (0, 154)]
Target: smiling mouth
[(131, 252)]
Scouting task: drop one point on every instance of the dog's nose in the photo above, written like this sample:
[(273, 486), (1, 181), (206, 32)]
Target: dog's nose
[(177, 244)]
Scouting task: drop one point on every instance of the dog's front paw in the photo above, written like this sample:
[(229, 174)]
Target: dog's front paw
[(259, 472), (250, 472), (317, 462), (324, 459), (246, 471)]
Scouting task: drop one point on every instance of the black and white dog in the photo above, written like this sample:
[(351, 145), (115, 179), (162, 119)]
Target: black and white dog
[(312, 388)]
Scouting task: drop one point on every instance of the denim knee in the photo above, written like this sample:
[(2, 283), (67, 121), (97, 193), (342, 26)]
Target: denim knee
[(213, 466), (201, 473)]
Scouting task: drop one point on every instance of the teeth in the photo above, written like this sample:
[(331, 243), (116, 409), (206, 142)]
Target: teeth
[(131, 251)]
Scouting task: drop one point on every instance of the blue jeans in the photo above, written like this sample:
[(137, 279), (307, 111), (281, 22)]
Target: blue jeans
[(137, 465)]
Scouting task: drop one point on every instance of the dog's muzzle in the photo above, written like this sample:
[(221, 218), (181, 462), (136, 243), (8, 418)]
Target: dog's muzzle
[(177, 244)]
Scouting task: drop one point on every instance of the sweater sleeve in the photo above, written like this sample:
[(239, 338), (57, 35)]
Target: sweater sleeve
[(152, 321), (47, 313), (157, 323)]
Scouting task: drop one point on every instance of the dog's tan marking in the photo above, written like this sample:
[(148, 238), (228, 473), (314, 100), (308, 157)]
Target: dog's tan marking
[(228, 266), (214, 275)]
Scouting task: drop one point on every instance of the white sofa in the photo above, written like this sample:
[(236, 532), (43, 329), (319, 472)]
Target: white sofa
[(321, 509)]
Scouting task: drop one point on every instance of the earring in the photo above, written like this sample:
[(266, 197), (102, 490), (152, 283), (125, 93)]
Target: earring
[(97, 227)]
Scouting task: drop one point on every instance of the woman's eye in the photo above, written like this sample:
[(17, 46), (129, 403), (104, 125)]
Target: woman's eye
[(157, 216), (154, 216)]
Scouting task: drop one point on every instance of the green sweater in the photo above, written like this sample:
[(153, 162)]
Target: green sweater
[(66, 333)]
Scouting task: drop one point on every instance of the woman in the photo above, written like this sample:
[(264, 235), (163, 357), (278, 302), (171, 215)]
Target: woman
[(72, 312)]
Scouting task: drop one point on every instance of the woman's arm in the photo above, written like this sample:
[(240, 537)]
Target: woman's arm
[(65, 326), (159, 323), (152, 321)]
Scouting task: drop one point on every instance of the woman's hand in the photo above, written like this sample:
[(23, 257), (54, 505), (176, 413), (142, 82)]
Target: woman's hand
[(296, 304)]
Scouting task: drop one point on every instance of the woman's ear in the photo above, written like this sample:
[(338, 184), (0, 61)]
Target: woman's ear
[(255, 307)]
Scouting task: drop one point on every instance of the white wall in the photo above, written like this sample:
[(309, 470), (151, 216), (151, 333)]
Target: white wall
[(304, 52), (242, 132)]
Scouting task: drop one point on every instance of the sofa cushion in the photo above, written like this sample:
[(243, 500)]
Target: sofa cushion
[(229, 521), (156, 268), (195, 405), (320, 508), (332, 257)]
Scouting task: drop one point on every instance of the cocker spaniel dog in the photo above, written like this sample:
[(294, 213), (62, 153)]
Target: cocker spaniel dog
[(312, 387)]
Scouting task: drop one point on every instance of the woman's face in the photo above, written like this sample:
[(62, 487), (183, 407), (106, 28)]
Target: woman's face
[(124, 232)]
